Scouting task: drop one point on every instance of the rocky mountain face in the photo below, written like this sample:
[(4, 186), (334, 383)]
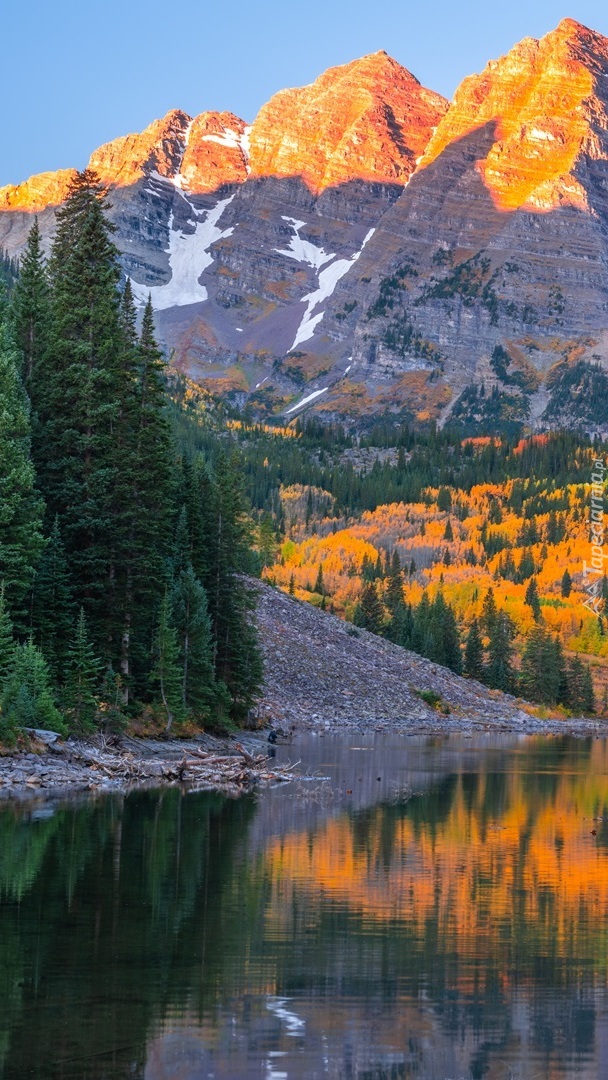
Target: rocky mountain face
[(365, 248)]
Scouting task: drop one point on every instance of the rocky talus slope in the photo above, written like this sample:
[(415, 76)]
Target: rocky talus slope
[(322, 673)]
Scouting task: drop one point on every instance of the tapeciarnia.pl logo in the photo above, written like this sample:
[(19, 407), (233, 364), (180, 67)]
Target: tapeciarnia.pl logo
[(594, 570)]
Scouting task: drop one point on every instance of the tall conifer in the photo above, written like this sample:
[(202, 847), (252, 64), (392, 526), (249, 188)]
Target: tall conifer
[(30, 309), (21, 508), (80, 387)]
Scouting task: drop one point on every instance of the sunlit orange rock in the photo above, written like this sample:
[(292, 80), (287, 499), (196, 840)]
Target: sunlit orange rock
[(547, 102), (370, 119), (216, 152), (35, 194), (159, 148)]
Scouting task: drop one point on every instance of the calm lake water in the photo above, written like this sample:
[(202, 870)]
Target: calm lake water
[(437, 910)]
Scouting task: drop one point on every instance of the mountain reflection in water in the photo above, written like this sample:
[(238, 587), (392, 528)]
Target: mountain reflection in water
[(436, 909)]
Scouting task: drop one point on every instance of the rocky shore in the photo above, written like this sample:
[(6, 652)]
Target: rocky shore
[(322, 675), (98, 764)]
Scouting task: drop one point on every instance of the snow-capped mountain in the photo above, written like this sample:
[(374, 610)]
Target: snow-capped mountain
[(365, 247)]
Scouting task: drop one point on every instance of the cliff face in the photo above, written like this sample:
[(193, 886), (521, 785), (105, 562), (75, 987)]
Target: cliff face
[(369, 120), (363, 248), (492, 267)]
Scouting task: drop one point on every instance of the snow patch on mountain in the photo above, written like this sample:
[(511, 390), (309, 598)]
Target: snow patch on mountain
[(328, 279), (178, 179), (305, 401), (188, 256), (228, 137), (303, 250), (246, 146)]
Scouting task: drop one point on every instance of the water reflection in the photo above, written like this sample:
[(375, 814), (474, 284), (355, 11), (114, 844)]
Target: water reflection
[(338, 929)]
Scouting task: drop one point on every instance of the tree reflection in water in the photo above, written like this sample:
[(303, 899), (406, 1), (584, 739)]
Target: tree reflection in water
[(461, 932)]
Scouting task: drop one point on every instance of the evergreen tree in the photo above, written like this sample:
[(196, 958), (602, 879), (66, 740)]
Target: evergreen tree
[(267, 541), (237, 657), (319, 585), (394, 589), (473, 654), (21, 508), (566, 584), (7, 641), (81, 680), (27, 699), (542, 669), (144, 491), (499, 672), (52, 608), (369, 611), (80, 387), (400, 627), (30, 310), (489, 613), (193, 628), (421, 621), (442, 642), (579, 695), (532, 598), (167, 672), (110, 706)]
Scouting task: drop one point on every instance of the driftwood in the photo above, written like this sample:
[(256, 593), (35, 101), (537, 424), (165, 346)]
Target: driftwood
[(210, 769)]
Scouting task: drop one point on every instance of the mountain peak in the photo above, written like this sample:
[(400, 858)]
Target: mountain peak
[(543, 101), (369, 119), (158, 147)]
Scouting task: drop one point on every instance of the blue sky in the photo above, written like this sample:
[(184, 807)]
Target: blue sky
[(78, 75)]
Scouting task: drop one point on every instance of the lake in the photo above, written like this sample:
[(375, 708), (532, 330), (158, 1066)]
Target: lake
[(435, 909)]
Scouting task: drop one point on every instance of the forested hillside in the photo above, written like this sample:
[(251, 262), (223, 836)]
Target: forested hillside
[(468, 550), (120, 551)]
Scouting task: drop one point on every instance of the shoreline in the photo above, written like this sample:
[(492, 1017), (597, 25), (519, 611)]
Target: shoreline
[(52, 767), (228, 765)]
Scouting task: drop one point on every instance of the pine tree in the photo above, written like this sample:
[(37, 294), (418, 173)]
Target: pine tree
[(442, 642), (79, 387), (81, 680), (369, 611), (499, 672), (237, 657), (7, 641), (52, 607), (21, 508), (532, 598), (319, 584), (30, 311), (167, 672), (566, 584), (489, 613), (401, 625), (27, 699), (422, 615), (144, 491), (542, 669), (473, 653), (111, 697), (267, 541), (579, 695), (193, 629), (394, 589)]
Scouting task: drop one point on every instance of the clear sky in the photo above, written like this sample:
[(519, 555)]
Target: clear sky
[(77, 74)]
